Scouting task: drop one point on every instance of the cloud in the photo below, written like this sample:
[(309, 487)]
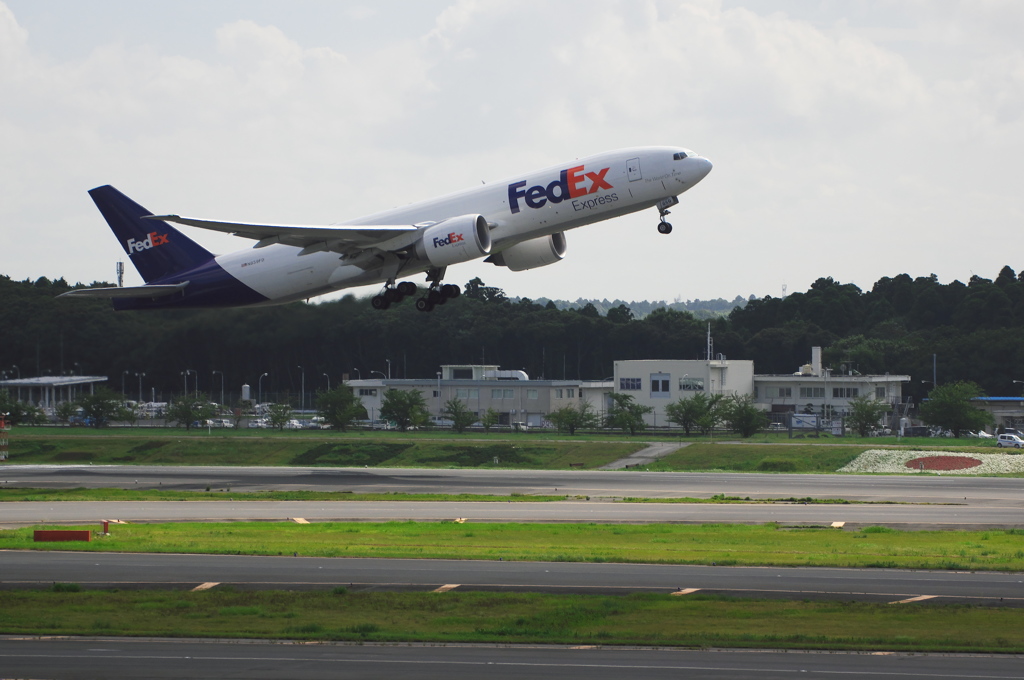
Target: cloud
[(857, 136)]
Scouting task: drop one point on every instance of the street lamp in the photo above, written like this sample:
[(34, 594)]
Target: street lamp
[(260, 383), (381, 374), (359, 376), (302, 391), (439, 394), (185, 378), (221, 387), (18, 370), (389, 368), (140, 376), (123, 374), (328, 382)]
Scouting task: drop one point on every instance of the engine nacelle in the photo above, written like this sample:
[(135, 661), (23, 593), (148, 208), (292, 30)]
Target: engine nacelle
[(455, 240), (537, 252)]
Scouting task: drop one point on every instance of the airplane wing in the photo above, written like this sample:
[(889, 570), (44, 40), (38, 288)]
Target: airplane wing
[(155, 291), (311, 238)]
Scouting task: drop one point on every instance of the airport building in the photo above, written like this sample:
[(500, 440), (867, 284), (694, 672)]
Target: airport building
[(811, 390)]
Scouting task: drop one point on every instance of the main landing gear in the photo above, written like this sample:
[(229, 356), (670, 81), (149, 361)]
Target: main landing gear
[(393, 294), (437, 294)]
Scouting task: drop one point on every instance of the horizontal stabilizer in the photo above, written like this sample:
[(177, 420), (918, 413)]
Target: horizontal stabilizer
[(129, 292), (334, 237)]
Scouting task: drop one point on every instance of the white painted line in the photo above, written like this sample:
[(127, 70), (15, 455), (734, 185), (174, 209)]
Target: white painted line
[(445, 588), (205, 586), (685, 591), (919, 598), (299, 520), (838, 525)]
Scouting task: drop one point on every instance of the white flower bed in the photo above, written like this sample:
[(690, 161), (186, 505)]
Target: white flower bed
[(881, 460)]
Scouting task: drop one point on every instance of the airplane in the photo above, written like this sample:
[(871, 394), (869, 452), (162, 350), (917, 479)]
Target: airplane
[(519, 223)]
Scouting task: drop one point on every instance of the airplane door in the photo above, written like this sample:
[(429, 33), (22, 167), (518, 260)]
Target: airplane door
[(633, 169)]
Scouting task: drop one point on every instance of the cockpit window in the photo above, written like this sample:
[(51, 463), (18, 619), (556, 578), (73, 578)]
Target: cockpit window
[(682, 154)]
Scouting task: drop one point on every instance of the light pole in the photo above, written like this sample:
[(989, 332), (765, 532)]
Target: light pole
[(260, 383), (184, 375), (439, 394), (302, 391), (123, 374), (1018, 382), (381, 374), (221, 387), (140, 376), (18, 370), (359, 376), (328, 382), (389, 368)]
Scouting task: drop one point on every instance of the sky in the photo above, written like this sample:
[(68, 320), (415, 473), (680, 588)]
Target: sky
[(851, 140)]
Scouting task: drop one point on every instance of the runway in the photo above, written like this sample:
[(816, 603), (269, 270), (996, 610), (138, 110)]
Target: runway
[(997, 491), (35, 570), (117, 658)]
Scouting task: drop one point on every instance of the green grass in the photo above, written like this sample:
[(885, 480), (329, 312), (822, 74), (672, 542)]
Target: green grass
[(782, 457), (767, 545), (692, 621), (327, 449)]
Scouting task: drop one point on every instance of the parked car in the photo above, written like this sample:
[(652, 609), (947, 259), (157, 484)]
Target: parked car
[(1008, 440)]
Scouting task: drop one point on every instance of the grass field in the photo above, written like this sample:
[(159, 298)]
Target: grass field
[(760, 545), (55, 447), (692, 620)]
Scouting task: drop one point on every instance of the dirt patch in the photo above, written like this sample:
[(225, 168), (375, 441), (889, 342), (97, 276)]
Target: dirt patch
[(943, 463)]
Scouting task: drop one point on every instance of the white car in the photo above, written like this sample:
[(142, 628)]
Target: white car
[(1007, 440)]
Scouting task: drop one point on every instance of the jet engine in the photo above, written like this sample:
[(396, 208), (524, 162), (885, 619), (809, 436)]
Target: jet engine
[(455, 240), (537, 252)]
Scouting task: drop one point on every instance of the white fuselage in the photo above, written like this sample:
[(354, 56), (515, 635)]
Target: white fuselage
[(519, 209)]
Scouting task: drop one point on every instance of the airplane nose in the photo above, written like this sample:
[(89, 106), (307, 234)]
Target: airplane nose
[(704, 166)]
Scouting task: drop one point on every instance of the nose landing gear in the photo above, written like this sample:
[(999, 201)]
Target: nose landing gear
[(663, 226)]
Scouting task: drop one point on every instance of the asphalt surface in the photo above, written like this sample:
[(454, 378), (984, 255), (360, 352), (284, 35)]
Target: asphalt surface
[(35, 570), (926, 488), (116, 658)]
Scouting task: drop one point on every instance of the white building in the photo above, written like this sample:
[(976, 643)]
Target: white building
[(659, 382)]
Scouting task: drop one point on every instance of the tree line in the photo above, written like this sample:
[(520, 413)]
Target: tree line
[(972, 329)]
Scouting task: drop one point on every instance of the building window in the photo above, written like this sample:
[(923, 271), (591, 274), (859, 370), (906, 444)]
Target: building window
[(558, 393), (845, 392), (466, 393), (626, 384), (570, 393), (462, 374), (880, 393), (659, 385), (778, 392), (436, 394), (367, 392), (691, 384), (502, 394), (812, 392), (531, 394)]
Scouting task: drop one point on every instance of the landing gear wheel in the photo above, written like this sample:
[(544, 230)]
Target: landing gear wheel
[(664, 228), (450, 291), (424, 305), (379, 302), (392, 295), (406, 288)]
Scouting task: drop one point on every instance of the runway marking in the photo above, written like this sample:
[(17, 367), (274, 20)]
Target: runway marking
[(205, 586), (299, 520), (919, 598), (838, 525), (685, 591), (460, 520), (445, 588)]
